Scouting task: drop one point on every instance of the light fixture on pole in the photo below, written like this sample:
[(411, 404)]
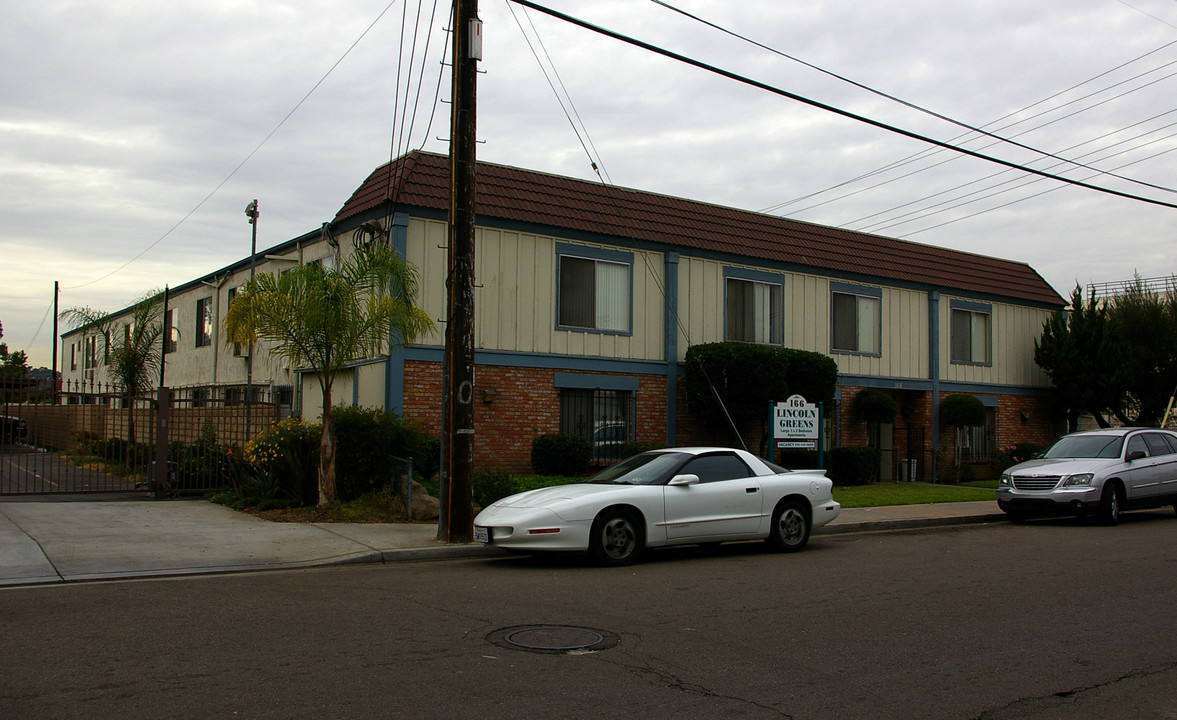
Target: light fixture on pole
[(252, 213)]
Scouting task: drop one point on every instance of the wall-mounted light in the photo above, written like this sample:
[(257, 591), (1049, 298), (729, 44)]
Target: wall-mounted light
[(1025, 416), (489, 395)]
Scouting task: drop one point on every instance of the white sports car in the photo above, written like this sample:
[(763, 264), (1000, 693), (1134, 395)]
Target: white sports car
[(677, 496)]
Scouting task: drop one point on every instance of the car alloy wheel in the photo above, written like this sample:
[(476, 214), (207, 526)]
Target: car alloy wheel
[(790, 527), (616, 538)]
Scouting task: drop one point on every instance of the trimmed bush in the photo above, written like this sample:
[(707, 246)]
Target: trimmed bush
[(962, 411), (491, 485), (560, 455), (871, 405), (854, 465)]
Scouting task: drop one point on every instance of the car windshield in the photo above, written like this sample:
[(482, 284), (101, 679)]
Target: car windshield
[(1085, 446), (644, 469)]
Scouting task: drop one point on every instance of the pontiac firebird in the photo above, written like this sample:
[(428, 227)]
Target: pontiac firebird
[(676, 496)]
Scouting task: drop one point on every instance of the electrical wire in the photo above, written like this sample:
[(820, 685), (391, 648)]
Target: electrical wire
[(905, 103), (832, 109), (248, 157)]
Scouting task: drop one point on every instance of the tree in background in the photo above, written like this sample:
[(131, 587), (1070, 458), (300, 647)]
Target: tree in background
[(130, 346), (328, 319), (1116, 356), (1082, 354), (1146, 328), (12, 365)]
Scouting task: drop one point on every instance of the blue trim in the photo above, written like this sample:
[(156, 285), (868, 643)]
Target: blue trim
[(971, 306), (934, 364), (545, 362), (760, 276), (900, 383), (394, 367), (863, 290), (595, 254), (670, 327), (595, 382)]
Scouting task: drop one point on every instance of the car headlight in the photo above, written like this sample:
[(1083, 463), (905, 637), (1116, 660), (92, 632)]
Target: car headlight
[(1084, 479), (1007, 480)]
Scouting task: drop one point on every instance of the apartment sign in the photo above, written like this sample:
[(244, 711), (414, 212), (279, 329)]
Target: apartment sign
[(796, 423)]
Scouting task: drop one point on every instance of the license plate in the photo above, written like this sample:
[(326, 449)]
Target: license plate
[(482, 535)]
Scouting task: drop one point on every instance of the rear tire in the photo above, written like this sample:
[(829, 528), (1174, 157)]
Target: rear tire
[(616, 537), (790, 526), (1109, 504)]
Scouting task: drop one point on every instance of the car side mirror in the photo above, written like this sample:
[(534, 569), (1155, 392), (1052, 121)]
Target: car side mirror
[(688, 479), (1136, 455)]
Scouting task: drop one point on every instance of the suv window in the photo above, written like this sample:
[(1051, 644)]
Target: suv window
[(1135, 444), (713, 468), (1171, 439), (1156, 444)]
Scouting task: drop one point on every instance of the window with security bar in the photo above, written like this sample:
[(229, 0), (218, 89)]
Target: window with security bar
[(599, 416)]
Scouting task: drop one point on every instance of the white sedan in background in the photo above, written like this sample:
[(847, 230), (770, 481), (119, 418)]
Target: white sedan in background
[(677, 496)]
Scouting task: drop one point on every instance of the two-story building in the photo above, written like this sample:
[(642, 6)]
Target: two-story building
[(589, 296)]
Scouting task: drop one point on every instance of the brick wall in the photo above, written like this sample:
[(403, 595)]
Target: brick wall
[(513, 406)]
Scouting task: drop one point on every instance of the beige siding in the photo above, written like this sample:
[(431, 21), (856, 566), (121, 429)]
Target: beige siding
[(515, 297), (1013, 331)]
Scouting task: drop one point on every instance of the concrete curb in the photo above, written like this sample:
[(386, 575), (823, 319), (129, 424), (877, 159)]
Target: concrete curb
[(912, 524)]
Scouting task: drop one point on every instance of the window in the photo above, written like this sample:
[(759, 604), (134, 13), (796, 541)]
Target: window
[(594, 288), (978, 443), (971, 333), (714, 468), (204, 322), (90, 356), (169, 331), (73, 356), (600, 416), (754, 307), (238, 349), (855, 319)]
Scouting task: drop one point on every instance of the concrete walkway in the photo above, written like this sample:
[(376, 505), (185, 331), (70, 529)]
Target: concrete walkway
[(71, 540)]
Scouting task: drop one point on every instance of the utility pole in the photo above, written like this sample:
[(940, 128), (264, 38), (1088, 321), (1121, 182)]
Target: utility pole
[(56, 341), (456, 522)]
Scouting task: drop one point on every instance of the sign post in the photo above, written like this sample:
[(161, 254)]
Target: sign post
[(796, 425)]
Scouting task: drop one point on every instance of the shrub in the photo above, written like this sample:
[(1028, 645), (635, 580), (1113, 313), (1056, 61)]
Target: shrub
[(283, 460), (854, 465), (962, 411), (1011, 455), (491, 485), (365, 439), (560, 454), (874, 406)]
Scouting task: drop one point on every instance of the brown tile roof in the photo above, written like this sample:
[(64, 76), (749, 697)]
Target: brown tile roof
[(421, 179)]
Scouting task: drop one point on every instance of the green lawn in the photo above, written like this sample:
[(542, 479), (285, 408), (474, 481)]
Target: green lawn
[(912, 494)]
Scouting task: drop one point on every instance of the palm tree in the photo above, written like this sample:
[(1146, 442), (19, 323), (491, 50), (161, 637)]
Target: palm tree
[(134, 353), (327, 319)]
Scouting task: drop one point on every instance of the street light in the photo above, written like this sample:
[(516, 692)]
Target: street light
[(252, 213)]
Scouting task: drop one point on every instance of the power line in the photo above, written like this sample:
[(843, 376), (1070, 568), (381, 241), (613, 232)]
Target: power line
[(248, 157), (830, 108), (907, 104)]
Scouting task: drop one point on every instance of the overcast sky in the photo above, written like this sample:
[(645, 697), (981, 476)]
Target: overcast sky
[(134, 133)]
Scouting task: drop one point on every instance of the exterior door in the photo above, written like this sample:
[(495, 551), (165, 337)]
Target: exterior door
[(727, 501)]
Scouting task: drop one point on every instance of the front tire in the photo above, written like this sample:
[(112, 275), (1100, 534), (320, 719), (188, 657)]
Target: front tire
[(1109, 504), (616, 538), (790, 526)]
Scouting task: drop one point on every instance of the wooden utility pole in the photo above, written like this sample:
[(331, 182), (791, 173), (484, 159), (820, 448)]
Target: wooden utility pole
[(456, 522)]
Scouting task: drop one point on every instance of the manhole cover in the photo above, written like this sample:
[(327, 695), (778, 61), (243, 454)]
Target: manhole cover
[(552, 638)]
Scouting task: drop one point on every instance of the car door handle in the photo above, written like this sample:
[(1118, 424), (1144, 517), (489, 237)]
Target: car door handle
[(752, 491)]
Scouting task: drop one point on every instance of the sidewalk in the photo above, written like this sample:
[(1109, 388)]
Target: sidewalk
[(72, 540)]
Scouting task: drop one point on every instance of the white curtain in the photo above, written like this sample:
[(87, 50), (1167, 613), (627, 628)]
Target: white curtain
[(868, 324), (612, 296)]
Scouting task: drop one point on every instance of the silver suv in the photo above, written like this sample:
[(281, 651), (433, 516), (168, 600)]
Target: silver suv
[(1096, 472)]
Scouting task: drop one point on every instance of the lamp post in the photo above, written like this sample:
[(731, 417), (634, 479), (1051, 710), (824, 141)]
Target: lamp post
[(252, 213)]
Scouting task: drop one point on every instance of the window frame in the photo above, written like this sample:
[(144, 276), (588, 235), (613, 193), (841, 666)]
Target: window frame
[(973, 309), (596, 256), (857, 291), (761, 277), (204, 322)]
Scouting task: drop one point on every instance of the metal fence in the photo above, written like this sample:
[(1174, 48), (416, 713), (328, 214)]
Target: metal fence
[(95, 438)]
